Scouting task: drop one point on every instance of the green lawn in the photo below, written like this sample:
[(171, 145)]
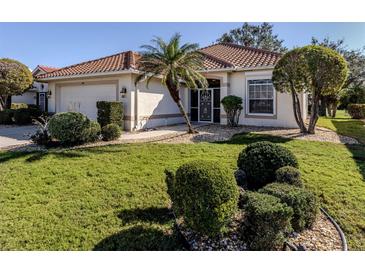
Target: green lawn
[(115, 198), (344, 125)]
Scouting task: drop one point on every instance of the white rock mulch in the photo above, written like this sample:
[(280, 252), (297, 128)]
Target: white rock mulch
[(211, 133)]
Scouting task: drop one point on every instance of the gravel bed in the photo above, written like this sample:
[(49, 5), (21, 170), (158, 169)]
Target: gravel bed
[(229, 242), (323, 236), (214, 132)]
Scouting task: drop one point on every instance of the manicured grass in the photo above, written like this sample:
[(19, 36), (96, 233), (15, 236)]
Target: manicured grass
[(115, 197), (344, 125)]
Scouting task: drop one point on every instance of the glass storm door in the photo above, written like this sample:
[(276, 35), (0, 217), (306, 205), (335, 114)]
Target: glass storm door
[(42, 101), (205, 109)]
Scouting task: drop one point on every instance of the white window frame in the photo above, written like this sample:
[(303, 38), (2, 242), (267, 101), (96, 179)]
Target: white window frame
[(247, 99)]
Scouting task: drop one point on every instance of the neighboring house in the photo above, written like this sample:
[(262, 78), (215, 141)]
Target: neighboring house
[(37, 94), (229, 68)]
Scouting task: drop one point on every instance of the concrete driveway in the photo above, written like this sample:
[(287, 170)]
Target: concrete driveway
[(15, 135)]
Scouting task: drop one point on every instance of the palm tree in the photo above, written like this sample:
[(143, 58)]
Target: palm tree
[(176, 65)]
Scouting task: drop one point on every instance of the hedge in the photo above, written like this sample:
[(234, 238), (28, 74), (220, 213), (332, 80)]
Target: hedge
[(267, 221), (205, 195), (303, 203), (110, 113), (260, 161), (289, 175), (356, 111)]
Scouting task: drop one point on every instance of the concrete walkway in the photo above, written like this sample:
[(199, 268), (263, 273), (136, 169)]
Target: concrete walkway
[(15, 135), (154, 134)]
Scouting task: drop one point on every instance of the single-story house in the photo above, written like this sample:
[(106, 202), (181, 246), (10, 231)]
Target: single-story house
[(229, 68), (37, 94)]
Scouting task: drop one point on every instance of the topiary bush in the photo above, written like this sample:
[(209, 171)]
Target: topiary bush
[(303, 203), (6, 117), (205, 195), (266, 222), (289, 175), (69, 128), (110, 113), (94, 131), (111, 132), (22, 116), (232, 106), (260, 160), (356, 111)]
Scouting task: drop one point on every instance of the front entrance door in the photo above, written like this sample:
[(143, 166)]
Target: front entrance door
[(42, 101), (205, 109)]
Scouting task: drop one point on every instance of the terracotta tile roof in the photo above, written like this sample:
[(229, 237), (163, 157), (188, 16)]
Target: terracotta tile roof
[(233, 55), (218, 56), (47, 69), (117, 62)]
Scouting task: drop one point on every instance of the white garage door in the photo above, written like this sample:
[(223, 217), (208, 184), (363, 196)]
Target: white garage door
[(83, 98)]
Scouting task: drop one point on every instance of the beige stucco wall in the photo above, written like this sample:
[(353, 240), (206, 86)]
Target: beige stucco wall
[(143, 107), (155, 106), (234, 83)]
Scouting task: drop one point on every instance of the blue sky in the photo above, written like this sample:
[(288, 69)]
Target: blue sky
[(62, 44)]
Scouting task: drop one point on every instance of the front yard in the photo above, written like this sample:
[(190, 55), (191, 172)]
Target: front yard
[(344, 125), (115, 197)]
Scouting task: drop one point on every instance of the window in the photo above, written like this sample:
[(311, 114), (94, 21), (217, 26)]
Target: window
[(260, 97)]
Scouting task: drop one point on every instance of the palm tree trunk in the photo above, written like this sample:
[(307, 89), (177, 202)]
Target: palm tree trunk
[(191, 130), (174, 92)]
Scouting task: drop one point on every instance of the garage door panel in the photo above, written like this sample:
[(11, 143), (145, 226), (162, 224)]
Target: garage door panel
[(83, 98)]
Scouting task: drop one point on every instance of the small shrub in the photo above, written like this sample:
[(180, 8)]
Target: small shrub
[(41, 136), (69, 127), (232, 106), (260, 160), (35, 112), (205, 195), (356, 111), (94, 131), (22, 116), (6, 117), (110, 113), (303, 203), (266, 222), (111, 132), (18, 105), (289, 175)]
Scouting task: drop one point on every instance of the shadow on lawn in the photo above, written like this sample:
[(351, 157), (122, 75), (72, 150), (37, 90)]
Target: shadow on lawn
[(138, 238), (37, 155), (357, 151), (146, 236), (160, 215)]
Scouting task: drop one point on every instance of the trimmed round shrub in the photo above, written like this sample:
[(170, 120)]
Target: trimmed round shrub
[(289, 175), (22, 116), (260, 160), (303, 203), (69, 127), (267, 221), (206, 195), (356, 111), (6, 116), (94, 131), (111, 132)]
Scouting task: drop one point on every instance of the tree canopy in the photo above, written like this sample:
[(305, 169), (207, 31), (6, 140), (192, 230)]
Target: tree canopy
[(315, 69), (175, 64), (15, 78), (256, 36)]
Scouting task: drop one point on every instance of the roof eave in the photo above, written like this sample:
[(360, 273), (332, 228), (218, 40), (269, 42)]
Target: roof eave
[(237, 69), (88, 75)]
